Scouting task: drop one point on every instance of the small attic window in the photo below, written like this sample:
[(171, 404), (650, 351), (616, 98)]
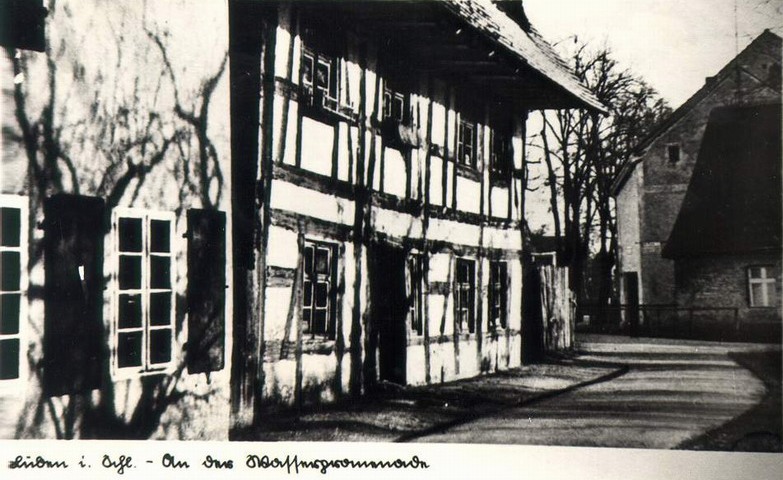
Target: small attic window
[(673, 153)]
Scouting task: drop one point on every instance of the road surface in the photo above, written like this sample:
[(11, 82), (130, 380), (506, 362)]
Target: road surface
[(673, 391)]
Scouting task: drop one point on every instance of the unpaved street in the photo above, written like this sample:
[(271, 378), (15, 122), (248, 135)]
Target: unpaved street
[(673, 391)]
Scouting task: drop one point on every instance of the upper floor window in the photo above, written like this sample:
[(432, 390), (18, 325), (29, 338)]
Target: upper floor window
[(320, 77), (396, 105), (498, 295), (500, 160), (464, 296), (13, 248), (319, 289), (144, 313), (466, 143), (673, 153), (761, 286)]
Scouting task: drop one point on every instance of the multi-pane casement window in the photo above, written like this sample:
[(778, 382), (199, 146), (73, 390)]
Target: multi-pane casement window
[(761, 286), (498, 295), (318, 296), (500, 156), (466, 143), (464, 295), (13, 253), (414, 292), (320, 77), (394, 106), (144, 313)]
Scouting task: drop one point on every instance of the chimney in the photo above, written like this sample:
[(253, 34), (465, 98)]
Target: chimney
[(515, 10)]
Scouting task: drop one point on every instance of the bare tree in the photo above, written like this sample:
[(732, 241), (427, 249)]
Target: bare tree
[(583, 153)]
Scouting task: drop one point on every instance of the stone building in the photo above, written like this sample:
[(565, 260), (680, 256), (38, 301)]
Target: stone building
[(649, 192), (726, 241)]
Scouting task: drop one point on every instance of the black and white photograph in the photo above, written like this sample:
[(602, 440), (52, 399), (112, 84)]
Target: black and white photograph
[(486, 222)]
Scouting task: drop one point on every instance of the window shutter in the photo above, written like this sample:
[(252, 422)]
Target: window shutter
[(74, 336), (206, 290)]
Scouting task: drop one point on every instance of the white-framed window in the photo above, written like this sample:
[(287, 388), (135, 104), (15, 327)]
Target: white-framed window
[(320, 74), (319, 289), (13, 286), (394, 105), (143, 317), (500, 160), (466, 143), (498, 294), (464, 295), (761, 286)]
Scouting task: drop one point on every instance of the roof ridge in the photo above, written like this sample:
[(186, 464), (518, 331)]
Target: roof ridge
[(702, 92)]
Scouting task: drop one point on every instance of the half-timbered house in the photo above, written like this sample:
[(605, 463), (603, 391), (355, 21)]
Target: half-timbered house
[(390, 163)]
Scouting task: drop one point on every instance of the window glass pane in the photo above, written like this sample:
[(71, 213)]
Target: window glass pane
[(160, 237), (321, 294), (10, 266), (308, 254), (160, 276), (9, 359), (319, 322), (11, 224), (306, 316), (160, 345), (129, 349), (130, 234), (757, 295), (322, 261), (9, 313), (323, 75), (462, 272), (307, 69), (386, 104), (130, 272), (307, 299), (755, 272), (129, 311), (397, 107), (160, 308)]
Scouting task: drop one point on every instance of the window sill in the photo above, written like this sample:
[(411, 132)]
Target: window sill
[(12, 388), (400, 135), (499, 180), (468, 172), (313, 106), (131, 373), (317, 345)]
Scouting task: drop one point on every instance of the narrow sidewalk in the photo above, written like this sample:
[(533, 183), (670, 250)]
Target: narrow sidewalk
[(406, 413)]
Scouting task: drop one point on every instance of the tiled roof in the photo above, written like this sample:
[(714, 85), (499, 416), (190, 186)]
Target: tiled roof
[(528, 46), (733, 203)]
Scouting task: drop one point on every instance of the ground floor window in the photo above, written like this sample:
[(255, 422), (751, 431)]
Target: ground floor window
[(144, 313), (318, 296), (13, 260), (761, 286), (464, 296), (498, 295), (414, 292)]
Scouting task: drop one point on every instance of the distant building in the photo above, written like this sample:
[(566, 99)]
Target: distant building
[(726, 241), (649, 192)]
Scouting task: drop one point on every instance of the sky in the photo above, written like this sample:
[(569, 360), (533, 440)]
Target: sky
[(672, 44)]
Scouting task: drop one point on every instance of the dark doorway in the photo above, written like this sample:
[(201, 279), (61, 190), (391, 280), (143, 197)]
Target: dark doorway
[(631, 282), (388, 310)]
